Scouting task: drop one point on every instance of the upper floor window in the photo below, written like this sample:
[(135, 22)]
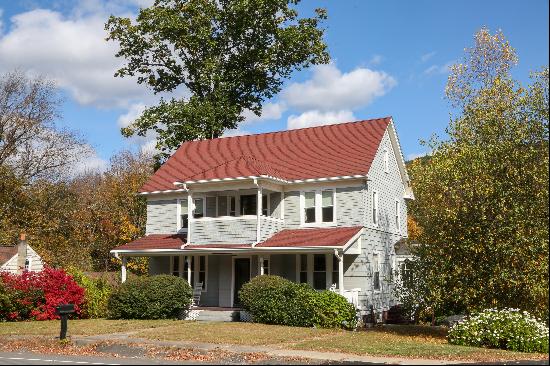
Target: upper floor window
[(398, 215), (265, 204), (375, 272), (198, 212), (318, 206), (375, 208), (386, 161), (309, 207), (184, 214), (249, 204)]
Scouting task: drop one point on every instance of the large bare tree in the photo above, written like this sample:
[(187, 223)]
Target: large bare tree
[(29, 141)]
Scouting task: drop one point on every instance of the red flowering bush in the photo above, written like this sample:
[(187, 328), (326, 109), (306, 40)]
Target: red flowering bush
[(35, 295)]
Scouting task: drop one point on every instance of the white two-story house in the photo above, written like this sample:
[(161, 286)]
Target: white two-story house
[(322, 205)]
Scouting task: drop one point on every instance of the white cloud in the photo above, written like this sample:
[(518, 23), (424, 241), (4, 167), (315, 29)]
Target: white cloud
[(134, 111), (236, 132), (331, 90), (376, 60), (270, 111), (439, 69), (413, 156), (73, 51), (318, 118), (425, 57)]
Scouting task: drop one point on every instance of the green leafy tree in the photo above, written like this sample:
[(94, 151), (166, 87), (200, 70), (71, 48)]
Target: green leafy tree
[(230, 55), (482, 197)]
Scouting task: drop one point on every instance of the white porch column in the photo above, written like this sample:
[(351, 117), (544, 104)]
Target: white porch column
[(123, 269), (261, 265), (188, 259), (340, 257)]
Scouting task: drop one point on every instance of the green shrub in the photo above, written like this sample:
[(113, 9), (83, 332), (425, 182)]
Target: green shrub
[(275, 300), (155, 297), (509, 329), (96, 294), (6, 305)]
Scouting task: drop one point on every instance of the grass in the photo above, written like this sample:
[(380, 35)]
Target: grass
[(392, 341), (80, 327)]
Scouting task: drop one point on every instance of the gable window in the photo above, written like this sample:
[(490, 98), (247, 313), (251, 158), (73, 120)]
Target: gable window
[(28, 264), (375, 272), (386, 161), (248, 204), (303, 268), (375, 208), (328, 206), (198, 212), (398, 215), (184, 214), (319, 271), (265, 204), (309, 207)]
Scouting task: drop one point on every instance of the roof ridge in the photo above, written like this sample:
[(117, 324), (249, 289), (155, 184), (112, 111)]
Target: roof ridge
[(295, 129)]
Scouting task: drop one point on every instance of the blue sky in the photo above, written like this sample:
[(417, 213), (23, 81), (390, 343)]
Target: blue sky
[(389, 58)]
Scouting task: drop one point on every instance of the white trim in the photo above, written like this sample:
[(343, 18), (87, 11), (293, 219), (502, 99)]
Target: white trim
[(397, 216), (233, 274), (348, 246), (386, 159)]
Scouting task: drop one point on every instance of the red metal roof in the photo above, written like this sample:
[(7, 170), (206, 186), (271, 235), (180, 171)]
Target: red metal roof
[(330, 237), (317, 152), (318, 237), (155, 241)]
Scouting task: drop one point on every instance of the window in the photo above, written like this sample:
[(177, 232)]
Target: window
[(328, 206), (223, 206), (303, 268), (386, 161), (265, 266), (309, 207), (397, 215), (319, 271), (199, 208), (265, 204), (248, 204), (28, 264), (406, 274), (335, 272), (175, 266), (184, 215), (202, 271), (375, 272), (375, 208), (232, 206)]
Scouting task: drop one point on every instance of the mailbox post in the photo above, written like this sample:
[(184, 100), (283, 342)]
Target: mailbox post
[(64, 310)]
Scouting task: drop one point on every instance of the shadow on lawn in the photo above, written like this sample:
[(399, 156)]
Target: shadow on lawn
[(412, 330)]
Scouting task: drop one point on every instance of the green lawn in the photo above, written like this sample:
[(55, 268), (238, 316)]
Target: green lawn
[(396, 341)]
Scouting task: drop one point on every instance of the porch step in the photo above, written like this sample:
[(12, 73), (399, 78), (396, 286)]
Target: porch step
[(219, 316)]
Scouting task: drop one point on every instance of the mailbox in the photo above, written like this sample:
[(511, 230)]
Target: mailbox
[(64, 310)]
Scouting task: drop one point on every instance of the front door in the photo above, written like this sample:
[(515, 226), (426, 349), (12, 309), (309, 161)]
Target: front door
[(242, 276)]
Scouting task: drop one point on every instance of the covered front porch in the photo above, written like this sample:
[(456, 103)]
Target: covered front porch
[(318, 257)]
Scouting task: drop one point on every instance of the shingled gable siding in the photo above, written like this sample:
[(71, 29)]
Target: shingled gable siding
[(161, 216), (378, 239), (269, 226)]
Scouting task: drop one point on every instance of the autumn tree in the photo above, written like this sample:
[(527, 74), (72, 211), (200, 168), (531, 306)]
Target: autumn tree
[(30, 143), (228, 55), (482, 197)]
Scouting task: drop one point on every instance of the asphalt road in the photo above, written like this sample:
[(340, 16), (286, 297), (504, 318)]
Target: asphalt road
[(31, 358)]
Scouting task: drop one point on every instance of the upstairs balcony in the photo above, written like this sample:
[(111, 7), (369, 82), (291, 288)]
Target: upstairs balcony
[(243, 216)]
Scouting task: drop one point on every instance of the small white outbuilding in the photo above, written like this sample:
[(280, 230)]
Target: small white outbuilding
[(19, 258)]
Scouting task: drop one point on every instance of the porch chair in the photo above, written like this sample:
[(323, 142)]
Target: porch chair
[(197, 290)]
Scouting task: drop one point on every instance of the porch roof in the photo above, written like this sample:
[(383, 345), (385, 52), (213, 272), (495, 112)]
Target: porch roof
[(310, 238)]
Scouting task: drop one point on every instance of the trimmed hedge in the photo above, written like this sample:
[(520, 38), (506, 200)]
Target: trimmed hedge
[(275, 300), (155, 297), (509, 329)]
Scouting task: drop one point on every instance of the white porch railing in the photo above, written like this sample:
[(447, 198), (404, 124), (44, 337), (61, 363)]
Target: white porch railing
[(351, 295)]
